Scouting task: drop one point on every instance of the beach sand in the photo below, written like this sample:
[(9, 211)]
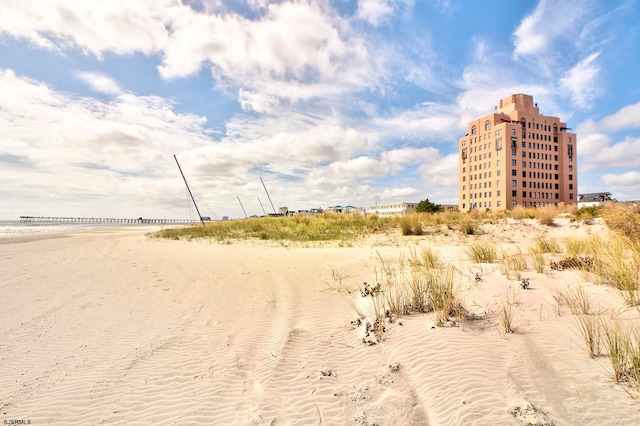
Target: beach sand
[(110, 326)]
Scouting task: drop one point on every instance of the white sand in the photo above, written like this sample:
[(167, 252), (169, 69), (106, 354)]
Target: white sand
[(109, 326)]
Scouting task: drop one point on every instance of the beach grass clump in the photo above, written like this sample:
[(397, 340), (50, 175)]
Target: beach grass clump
[(409, 287), (513, 264), (537, 257), (619, 345), (411, 225), (619, 266), (545, 215), (624, 219), (589, 327), (547, 246), (505, 313), (481, 252), (578, 300)]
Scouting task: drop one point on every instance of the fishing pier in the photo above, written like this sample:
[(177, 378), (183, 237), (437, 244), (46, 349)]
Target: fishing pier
[(101, 220)]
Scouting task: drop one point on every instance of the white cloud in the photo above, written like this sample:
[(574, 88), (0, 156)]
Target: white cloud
[(119, 26), (582, 81), (93, 149), (99, 82), (318, 51), (550, 21), (624, 119), (374, 11)]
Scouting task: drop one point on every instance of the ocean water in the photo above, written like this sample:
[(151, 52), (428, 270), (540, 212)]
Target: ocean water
[(10, 228)]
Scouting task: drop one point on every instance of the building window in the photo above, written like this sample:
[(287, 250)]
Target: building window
[(513, 203), (524, 164), (570, 167), (513, 172), (514, 183), (513, 152), (464, 196), (487, 125), (498, 203), (498, 183), (570, 186), (513, 132), (498, 133), (524, 194), (513, 163), (498, 173), (570, 177), (514, 193), (571, 158), (571, 196), (474, 130), (498, 193), (498, 144)]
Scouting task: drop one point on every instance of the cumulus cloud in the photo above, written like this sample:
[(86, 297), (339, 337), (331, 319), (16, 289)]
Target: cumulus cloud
[(91, 147), (252, 54)]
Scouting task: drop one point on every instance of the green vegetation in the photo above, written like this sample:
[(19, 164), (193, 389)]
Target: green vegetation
[(426, 206), (325, 227)]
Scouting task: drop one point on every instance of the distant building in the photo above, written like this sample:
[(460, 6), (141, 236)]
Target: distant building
[(345, 209), (594, 199), (392, 209), (516, 156), (449, 207)]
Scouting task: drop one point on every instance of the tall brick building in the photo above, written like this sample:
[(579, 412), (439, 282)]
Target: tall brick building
[(516, 156)]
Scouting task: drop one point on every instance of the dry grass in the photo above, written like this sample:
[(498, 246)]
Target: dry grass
[(513, 264), (417, 284), (624, 219), (545, 215), (505, 310), (590, 330), (577, 300), (481, 252), (411, 225)]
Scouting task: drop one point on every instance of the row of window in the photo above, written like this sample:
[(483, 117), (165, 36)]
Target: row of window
[(487, 204), (514, 193)]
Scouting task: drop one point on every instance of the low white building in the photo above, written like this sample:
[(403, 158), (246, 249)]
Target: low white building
[(594, 199), (392, 209)]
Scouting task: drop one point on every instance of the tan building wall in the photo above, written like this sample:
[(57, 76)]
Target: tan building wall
[(517, 156)]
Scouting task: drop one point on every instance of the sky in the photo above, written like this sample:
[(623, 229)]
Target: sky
[(330, 102)]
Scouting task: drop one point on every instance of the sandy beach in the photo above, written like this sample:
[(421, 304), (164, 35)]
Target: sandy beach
[(110, 326)]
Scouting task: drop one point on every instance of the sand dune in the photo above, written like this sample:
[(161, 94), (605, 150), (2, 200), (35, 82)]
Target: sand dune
[(111, 326)]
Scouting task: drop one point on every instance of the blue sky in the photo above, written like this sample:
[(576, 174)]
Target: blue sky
[(330, 102)]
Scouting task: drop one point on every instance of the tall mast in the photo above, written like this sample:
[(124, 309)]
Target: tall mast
[(245, 213), (265, 190), (189, 189)]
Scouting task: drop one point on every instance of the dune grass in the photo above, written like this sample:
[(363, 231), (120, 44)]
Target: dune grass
[(418, 283), (481, 252), (325, 227)]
